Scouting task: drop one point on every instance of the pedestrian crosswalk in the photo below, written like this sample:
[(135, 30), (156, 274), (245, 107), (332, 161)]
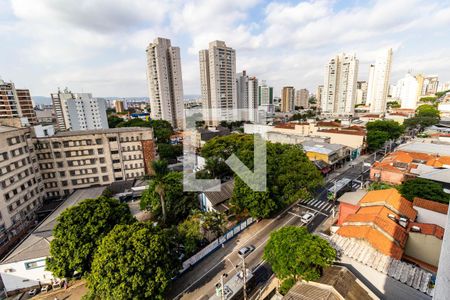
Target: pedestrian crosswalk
[(321, 205)]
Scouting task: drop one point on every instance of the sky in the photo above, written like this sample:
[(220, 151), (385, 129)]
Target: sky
[(98, 46)]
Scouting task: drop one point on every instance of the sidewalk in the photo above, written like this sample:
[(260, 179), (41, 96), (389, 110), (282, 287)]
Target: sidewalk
[(75, 292)]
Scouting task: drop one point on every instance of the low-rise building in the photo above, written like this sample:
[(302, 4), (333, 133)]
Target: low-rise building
[(202, 135), (392, 226), (217, 201), (332, 154), (402, 165), (73, 160), (21, 186), (24, 266)]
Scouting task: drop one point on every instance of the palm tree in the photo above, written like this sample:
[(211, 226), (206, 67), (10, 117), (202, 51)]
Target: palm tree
[(160, 169)]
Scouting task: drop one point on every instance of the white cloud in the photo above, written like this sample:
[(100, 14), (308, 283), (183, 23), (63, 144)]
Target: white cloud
[(99, 45)]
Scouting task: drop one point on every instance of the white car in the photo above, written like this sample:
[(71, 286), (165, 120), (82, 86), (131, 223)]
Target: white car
[(244, 251), (32, 292), (307, 217), (46, 288)]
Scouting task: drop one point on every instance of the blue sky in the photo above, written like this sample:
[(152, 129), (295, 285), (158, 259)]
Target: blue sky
[(99, 46)]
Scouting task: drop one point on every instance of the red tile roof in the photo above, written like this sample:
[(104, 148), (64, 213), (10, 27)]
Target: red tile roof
[(328, 124), (343, 131), (431, 205), (391, 199), (429, 229)]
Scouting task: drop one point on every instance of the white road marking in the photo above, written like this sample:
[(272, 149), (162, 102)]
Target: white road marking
[(321, 205), (314, 202), (227, 257), (307, 207)]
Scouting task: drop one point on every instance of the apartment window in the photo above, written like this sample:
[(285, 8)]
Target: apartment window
[(117, 170), (114, 152), (62, 173), (98, 141), (103, 169), (112, 139), (102, 160), (100, 151), (115, 161), (105, 178)]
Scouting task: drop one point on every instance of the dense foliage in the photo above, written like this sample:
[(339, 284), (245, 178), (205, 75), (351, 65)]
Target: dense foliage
[(290, 174), (200, 227), (134, 262), (424, 188), (426, 115), (161, 128), (79, 231), (375, 186), (113, 121), (165, 197), (294, 253), (380, 131), (169, 152)]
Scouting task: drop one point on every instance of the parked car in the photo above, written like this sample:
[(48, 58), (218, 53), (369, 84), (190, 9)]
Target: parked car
[(46, 288), (32, 292), (244, 251), (307, 217)]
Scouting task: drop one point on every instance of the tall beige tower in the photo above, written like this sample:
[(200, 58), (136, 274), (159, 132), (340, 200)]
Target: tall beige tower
[(218, 81), (378, 84), (339, 88), (287, 98), (165, 82)]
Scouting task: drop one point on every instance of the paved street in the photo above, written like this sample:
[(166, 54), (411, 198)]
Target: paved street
[(200, 281)]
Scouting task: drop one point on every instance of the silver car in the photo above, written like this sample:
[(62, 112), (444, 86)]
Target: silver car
[(244, 251)]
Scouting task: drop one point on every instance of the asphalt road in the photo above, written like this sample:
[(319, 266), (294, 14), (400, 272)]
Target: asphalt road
[(200, 281)]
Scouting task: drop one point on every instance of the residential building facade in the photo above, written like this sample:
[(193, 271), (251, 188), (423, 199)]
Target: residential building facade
[(378, 85), (16, 103), (80, 159), (247, 95), (287, 99), (265, 97), (301, 98), (118, 106), (165, 82), (21, 186), (361, 92), (339, 92), (218, 82), (79, 111)]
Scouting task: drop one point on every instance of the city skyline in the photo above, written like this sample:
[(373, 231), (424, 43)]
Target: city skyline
[(105, 55)]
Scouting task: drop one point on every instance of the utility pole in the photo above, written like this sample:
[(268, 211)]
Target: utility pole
[(245, 278)]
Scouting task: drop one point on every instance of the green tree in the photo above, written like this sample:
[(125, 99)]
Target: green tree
[(376, 139), (393, 104), (431, 99), (294, 253), (440, 94), (134, 262), (290, 174), (375, 186), (424, 188), (161, 128), (165, 197), (380, 131), (427, 110), (168, 151), (113, 121), (393, 128), (78, 233)]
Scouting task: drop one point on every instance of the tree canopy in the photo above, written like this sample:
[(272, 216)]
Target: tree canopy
[(78, 232), (294, 253), (169, 152), (424, 188), (113, 121), (161, 128), (177, 203), (426, 115), (290, 174), (134, 262), (380, 131), (375, 186)]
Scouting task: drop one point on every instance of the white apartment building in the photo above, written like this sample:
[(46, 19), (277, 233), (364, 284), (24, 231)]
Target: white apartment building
[(79, 111), (361, 92), (378, 84), (218, 81), (339, 91), (165, 82), (406, 90), (265, 98), (73, 160), (242, 90), (21, 187)]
